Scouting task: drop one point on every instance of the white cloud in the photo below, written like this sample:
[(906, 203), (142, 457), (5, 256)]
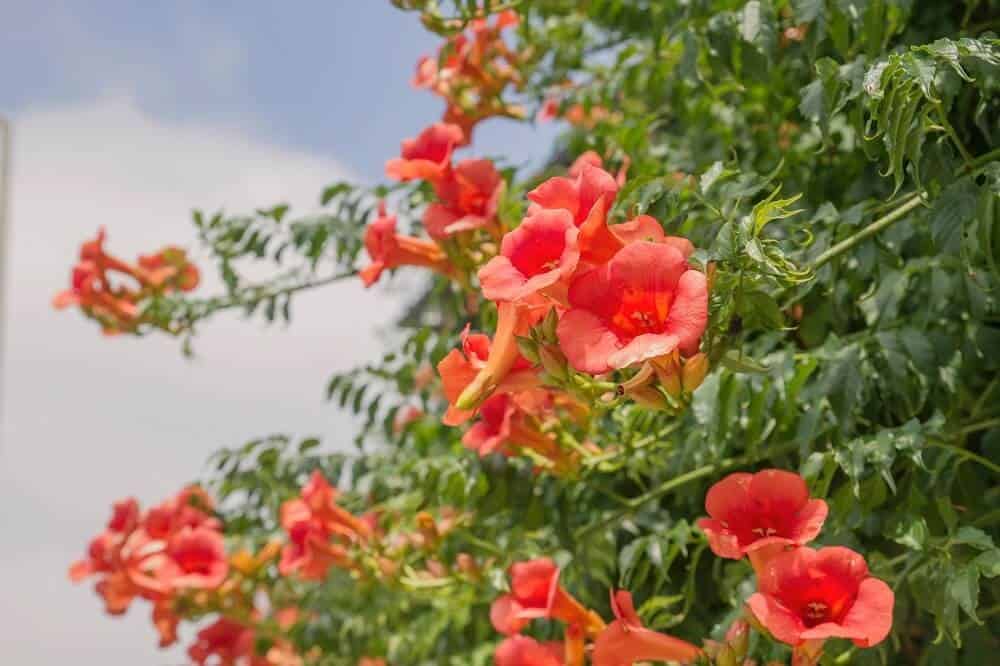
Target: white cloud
[(87, 419)]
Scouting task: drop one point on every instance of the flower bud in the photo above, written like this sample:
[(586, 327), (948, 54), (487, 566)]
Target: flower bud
[(528, 349), (727, 657), (695, 369), (650, 397), (669, 373), (738, 637), (428, 529), (548, 327), (467, 565), (554, 362)]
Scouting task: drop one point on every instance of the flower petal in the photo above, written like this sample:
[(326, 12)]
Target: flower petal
[(689, 311), (586, 341), (871, 613), (783, 624)]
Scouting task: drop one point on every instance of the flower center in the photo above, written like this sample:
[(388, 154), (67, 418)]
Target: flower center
[(640, 312), (816, 612), (764, 531)]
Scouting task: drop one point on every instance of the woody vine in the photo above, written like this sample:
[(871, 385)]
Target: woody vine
[(718, 385)]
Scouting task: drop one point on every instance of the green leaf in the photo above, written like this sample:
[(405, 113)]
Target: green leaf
[(807, 11), (964, 589), (949, 213), (973, 536)]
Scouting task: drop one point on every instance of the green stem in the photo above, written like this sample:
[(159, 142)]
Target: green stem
[(983, 615), (914, 200), (659, 491), (968, 455), (909, 203), (966, 155), (976, 427), (987, 519), (985, 158)]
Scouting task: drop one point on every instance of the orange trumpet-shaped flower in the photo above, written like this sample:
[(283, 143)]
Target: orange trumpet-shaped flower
[(191, 507), (313, 522), (536, 593), (389, 250), (643, 304), (749, 513), (540, 253), (428, 156), (811, 595), (459, 368), (524, 651), (229, 641), (166, 622), (509, 423), (513, 320), (113, 303), (578, 195), (468, 197), (471, 71), (199, 557), (321, 498), (170, 268), (625, 641)]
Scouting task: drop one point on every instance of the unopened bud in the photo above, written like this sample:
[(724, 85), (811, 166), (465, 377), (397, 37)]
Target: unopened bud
[(554, 362), (387, 567), (753, 621), (738, 638), (695, 369), (668, 371), (649, 397), (727, 657), (428, 528), (549, 324), (243, 561), (528, 349), (467, 565)]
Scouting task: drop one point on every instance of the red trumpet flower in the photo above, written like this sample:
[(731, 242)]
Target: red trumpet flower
[(644, 303), (536, 593), (524, 651), (750, 512), (389, 250), (469, 196), (626, 641), (428, 156), (811, 595), (536, 256), (459, 368)]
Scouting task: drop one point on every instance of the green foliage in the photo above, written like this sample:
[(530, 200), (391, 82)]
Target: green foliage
[(836, 163)]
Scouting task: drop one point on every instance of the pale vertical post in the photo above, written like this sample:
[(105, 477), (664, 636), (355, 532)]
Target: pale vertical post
[(5, 154)]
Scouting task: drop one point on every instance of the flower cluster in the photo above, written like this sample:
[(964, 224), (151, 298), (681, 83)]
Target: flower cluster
[(472, 70), (582, 304), (174, 556), (573, 293), (467, 195), (537, 594), (319, 531), (114, 303), (173, 549), (804, 595)]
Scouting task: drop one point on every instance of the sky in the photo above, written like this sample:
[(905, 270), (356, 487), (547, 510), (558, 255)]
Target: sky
[(129, 115)]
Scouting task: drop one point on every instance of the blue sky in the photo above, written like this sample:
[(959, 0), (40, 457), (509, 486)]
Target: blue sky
[(327, 77), (129, 114)]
